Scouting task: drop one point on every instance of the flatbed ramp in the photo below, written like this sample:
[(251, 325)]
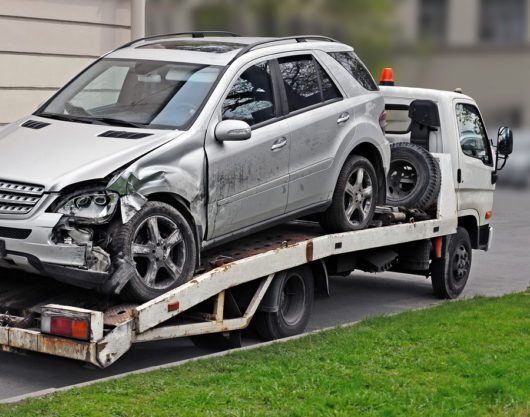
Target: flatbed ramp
[(206, 304)]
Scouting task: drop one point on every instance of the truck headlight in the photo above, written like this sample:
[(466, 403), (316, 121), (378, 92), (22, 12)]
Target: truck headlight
[(91, 207)]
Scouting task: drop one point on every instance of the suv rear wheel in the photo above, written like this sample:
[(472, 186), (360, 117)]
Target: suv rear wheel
[(354, 199), (160, 243)]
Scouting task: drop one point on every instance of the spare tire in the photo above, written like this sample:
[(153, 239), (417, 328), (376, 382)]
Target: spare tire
[(414, 178)]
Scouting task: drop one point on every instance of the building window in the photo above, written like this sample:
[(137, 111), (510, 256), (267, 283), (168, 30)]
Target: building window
[(433, 20), (503, 21)]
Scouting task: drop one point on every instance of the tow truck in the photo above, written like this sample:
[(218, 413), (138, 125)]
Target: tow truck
[(269, 279)]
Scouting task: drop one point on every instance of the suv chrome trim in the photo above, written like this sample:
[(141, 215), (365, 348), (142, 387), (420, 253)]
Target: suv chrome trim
[(17, 198)]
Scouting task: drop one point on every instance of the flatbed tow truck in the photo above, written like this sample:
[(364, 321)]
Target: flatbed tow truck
[(236, 283), (245, 269)]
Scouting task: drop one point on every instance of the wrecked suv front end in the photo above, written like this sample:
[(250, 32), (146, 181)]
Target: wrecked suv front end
[(37, 240)]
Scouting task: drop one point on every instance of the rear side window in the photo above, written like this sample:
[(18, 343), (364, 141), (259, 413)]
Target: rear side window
[(356, 68), (306, 83), (397, 119)]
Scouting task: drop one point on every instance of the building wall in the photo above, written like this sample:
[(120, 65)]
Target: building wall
[(44, 43), (494, 74)]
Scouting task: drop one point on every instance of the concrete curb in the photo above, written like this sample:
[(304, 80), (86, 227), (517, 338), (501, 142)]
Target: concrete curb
[(52, 391)]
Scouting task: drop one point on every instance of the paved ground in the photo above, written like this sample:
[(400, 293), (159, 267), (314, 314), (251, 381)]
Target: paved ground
[(504, 269)]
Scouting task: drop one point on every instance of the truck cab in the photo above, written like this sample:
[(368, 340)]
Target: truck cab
[(451, 123)]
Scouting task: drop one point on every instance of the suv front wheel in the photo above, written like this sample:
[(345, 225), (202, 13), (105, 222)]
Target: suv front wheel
[(160, 243), (354, 199)]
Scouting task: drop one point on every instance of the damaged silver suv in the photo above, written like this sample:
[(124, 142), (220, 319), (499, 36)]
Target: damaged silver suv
[(173, 144)]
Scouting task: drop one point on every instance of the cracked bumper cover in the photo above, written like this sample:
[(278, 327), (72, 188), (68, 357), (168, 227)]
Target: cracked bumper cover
[(37, 254)]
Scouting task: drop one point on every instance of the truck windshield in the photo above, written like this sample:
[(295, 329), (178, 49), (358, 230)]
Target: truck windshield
[(135, 93)]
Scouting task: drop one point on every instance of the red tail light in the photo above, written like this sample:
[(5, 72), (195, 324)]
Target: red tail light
[(67, 327)]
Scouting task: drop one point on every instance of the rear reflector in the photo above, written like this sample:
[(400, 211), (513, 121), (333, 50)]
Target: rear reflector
[(489, 215), (66, 326)]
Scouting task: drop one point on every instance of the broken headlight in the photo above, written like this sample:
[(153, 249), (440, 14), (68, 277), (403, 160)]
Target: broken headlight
[(91, 208)]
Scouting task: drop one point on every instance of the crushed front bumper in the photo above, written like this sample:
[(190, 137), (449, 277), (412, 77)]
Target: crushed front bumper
[(26, 245)]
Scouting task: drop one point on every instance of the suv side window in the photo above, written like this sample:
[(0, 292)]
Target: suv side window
[(251, 98), (356, 68), (306, 83), (473, 136)]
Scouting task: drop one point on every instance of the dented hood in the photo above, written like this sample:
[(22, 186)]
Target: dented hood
[(65, 153)]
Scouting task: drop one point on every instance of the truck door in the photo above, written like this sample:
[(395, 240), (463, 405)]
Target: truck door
[(476, 163)]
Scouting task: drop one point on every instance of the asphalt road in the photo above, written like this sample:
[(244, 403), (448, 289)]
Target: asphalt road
[(504, 269)]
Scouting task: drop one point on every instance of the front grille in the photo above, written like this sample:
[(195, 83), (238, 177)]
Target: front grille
[(16, 198), (10, 233)]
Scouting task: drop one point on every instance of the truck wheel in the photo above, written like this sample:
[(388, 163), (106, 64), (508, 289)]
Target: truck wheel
[(414, 178), (458, 257), (160, 243), (293, 292), (354, 199)]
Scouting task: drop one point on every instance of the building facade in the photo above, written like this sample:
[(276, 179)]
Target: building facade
[(481, 46), (46, 42)]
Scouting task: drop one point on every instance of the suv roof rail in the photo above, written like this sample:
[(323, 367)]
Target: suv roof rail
[(195, 34), (299, 39)]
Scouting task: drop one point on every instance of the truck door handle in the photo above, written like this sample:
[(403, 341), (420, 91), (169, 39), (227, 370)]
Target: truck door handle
[(279, 144), (343, 118)]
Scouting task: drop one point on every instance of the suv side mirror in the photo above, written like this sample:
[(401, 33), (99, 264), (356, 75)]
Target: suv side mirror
[(232, 130), (505, 141)]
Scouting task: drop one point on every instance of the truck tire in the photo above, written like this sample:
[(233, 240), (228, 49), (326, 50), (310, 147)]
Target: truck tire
[(354, 198), (414, 178), (159, 243), (451, 282), (294, 293)]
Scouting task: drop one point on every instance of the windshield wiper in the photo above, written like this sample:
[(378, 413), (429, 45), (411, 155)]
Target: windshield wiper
[(118, 122), (91, 120), (65, 117)]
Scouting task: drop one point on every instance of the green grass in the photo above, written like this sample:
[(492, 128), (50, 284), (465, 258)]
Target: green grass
[(468, 358)]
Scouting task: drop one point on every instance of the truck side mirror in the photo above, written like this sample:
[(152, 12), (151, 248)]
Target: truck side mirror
[(505, 141), (232, 130)]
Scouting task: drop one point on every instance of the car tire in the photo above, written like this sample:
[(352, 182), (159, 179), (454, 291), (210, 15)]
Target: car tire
[(414, 178), (458, 258), (354, 199), (159, 243), (294, 293)]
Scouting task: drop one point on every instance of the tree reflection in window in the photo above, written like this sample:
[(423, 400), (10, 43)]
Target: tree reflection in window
[(251, 98), (473, 136)]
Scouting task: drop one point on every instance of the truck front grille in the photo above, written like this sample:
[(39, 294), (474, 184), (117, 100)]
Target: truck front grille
[(16, 198)]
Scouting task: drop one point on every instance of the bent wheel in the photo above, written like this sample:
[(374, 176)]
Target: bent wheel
[(160, 243)]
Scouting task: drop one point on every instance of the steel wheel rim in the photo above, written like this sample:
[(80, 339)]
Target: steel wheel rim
[(402, 179), (460, 263), (158, 252), (292, 299), (358, 197)]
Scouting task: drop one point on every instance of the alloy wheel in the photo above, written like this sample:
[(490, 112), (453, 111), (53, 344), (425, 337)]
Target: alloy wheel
[(158, 251), (358, 197)]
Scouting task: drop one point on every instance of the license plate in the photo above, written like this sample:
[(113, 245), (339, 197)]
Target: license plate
[(3, 251)]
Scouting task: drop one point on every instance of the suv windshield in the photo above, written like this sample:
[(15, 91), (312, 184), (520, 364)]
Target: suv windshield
[(135, 93)]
